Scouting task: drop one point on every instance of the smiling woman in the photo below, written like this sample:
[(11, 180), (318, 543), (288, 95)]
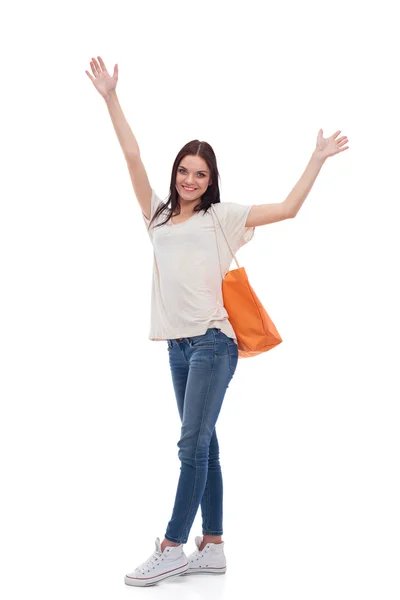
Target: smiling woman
[(193, 185), (192, 180), (188, 313)]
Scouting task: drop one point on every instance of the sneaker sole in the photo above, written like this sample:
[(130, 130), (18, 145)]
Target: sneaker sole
[(208, 571), (153, 580)]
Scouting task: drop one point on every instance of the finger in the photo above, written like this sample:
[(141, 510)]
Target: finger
[(336, 134), (102, 65), (95, 69), (96, 66), (89, 75)]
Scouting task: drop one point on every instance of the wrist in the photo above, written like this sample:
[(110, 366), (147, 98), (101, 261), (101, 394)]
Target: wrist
[(318, 158), (110, 96)]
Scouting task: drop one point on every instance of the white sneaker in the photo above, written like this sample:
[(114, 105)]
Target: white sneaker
[(209, 560), (161, 565)]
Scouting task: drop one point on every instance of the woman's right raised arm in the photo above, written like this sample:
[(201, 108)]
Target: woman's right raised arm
[(105, 85)]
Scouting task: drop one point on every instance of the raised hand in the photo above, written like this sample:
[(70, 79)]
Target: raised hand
[(329, 146), (102, 80)]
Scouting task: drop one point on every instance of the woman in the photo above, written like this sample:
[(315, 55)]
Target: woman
[(190, 261)]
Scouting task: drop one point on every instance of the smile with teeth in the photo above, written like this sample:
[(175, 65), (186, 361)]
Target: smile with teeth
[(188, 189)]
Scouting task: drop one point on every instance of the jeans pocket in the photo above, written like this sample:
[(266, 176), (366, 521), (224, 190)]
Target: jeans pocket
[(205, 341), (202, 344)]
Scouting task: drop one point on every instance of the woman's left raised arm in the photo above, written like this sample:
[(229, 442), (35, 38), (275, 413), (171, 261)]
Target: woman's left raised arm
[(262, 214)]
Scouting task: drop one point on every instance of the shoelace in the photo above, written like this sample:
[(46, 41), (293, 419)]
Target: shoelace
[(150, 562), (199, 553)]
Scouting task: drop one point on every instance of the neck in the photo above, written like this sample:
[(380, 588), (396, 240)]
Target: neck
[(187, 208)]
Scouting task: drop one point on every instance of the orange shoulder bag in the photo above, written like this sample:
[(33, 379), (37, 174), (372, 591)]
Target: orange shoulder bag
[(252, 325)]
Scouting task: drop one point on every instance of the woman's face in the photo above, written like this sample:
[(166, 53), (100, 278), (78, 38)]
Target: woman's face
[(192, 172)]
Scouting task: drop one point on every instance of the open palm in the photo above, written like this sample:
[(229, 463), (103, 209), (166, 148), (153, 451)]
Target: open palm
[(102, 80), (329, 146)]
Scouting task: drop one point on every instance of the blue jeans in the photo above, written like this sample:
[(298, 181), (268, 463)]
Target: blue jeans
[(202, 367)]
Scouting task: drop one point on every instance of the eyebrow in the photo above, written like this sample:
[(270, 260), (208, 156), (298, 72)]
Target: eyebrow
[(201, 171)]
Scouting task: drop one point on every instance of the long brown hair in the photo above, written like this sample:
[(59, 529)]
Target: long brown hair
[(210, 196)]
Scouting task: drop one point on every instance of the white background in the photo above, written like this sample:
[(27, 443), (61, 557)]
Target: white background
[(309, 432)]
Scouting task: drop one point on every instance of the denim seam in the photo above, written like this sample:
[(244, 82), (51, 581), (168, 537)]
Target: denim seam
[(209, 505), (230, 363), (206, 502), (200, 431), (203, 347)]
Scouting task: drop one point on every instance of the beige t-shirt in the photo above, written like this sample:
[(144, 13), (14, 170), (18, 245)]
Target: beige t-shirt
[(186, 296)]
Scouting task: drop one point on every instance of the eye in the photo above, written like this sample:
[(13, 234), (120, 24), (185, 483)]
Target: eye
[(182, 169)]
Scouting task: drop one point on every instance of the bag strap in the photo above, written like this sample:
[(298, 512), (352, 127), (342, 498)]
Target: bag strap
[(214, 212)]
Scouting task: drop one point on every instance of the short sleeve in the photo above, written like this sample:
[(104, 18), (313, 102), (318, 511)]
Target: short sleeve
[(155, 202), (233, 217)]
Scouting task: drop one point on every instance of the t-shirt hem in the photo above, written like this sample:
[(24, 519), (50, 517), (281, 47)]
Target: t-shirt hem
[(225, 327)]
